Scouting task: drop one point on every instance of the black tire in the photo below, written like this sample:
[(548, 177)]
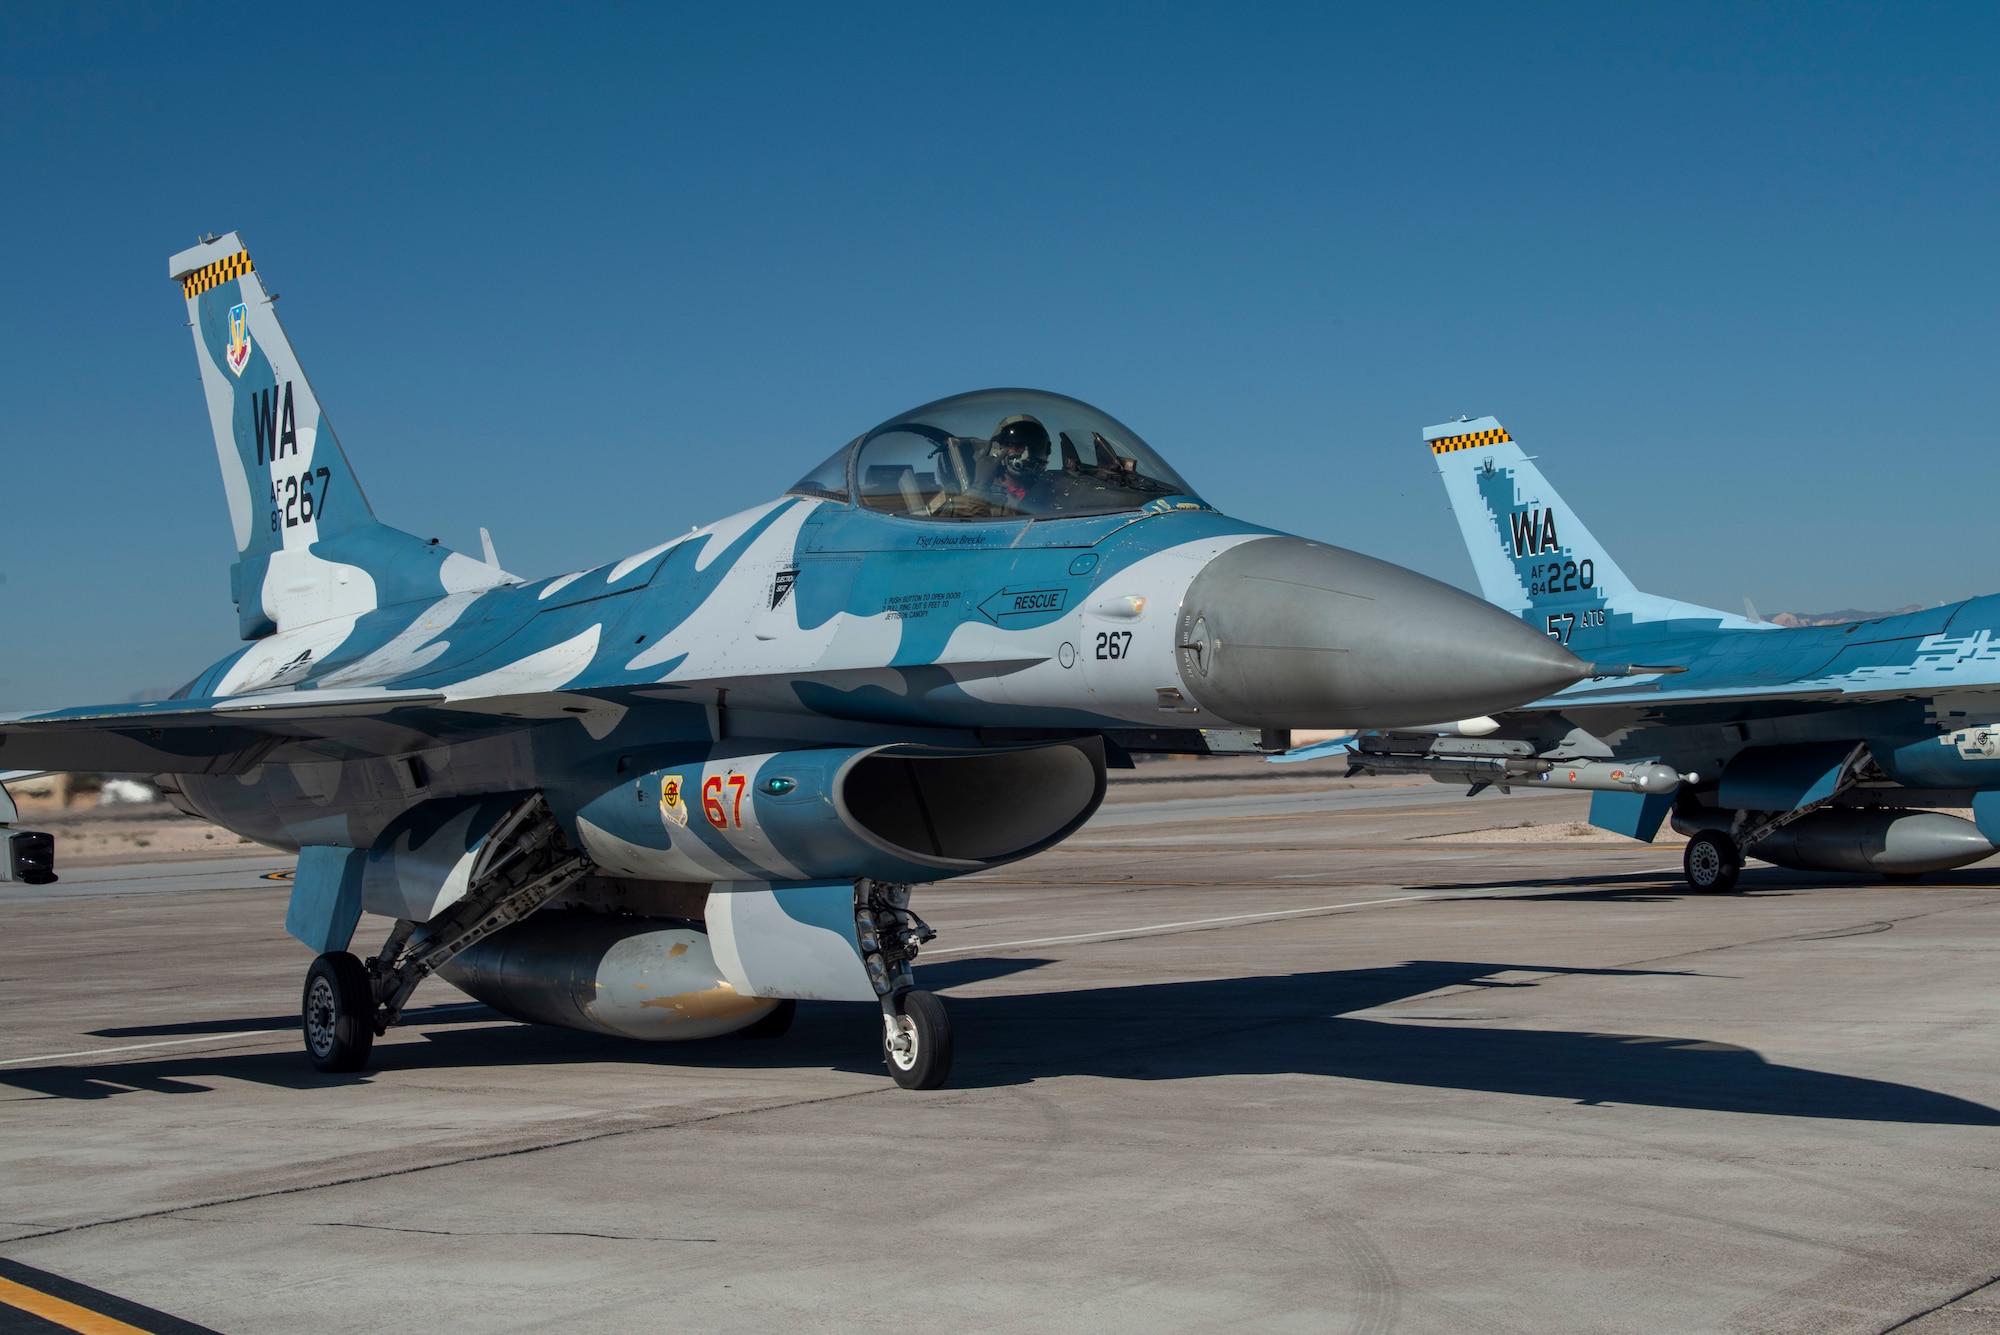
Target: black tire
[(337, 1013), (772, 1025), (1712, 863), (928, 1066)]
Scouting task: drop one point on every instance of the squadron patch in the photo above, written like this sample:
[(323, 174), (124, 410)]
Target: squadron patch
[(781, 587), (672, 807), (239, 339)]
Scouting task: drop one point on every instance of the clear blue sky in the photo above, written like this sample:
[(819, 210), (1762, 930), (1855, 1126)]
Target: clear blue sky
[(590, 274)]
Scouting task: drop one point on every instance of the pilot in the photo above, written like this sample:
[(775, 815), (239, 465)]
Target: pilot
[(1016, 459)]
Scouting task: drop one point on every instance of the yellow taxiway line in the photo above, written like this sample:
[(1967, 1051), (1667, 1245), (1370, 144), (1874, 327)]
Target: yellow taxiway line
[(65, 1314)]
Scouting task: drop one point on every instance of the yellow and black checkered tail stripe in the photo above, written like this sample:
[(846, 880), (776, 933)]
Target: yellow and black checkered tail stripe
[(213, 275), (1471, 442)]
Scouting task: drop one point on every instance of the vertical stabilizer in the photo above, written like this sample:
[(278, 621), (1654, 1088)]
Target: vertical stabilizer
[(309, 548), (1531, 553)]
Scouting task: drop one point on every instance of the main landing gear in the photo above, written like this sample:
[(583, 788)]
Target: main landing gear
[(1714, 858), (339, 1013), (1712, 862), (524, 863), (916, 1032)]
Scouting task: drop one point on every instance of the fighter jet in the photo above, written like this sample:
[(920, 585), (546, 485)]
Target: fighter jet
[(1822, 748), (668, 796)]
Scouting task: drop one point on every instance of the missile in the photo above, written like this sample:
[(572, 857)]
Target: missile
[(1607, 776)]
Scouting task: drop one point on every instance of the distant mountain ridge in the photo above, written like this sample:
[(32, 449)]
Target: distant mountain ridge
[(1840, 618)]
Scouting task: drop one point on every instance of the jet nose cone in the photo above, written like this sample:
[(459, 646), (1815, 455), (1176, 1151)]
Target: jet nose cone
[(1285, 633)]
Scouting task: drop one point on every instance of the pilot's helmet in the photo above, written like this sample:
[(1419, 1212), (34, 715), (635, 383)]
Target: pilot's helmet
[(1022, 445)]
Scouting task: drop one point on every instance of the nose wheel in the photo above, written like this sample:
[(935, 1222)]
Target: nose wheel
[(916, 1040)]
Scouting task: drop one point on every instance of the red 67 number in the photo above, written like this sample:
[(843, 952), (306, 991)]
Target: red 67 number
[(721, 816)]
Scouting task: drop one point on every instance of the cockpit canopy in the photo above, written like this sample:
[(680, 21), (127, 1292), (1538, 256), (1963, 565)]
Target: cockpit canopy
[(998, 454)]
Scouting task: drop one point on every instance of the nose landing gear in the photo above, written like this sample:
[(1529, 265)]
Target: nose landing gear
[(916, 1032)]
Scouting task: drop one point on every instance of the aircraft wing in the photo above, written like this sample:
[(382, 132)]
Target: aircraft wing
[(228, 735), (1661, 696), (218, 736), (1932, 673)]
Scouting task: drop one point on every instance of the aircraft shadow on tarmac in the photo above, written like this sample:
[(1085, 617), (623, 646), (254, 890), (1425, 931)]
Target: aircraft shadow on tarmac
[(956, 973), (1659, 887), (1282, 1024), (469, 1012)]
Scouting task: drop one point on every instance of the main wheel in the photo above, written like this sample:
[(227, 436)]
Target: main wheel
[(1712, 862), (338, 1013), (917, 1043), (772, 1025)]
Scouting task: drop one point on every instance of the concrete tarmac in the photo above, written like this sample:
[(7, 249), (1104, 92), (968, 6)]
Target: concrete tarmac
[(1248, 1053)]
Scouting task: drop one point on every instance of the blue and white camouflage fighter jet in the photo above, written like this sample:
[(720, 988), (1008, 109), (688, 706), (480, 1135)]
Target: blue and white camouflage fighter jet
[(1821, 748), (668, 796)]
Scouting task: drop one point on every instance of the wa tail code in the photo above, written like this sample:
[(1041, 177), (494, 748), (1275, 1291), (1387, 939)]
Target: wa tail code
[(1534, 532), (277, 434)]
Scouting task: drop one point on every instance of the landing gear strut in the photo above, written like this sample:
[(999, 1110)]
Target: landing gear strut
[(523, 864), (916, 1032)]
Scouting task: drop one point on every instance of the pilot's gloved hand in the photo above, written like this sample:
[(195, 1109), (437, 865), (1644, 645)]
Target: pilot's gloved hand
[(985, 459)]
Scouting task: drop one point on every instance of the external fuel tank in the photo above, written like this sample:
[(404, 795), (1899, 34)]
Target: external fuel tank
[(651, 978), (1880, 840)]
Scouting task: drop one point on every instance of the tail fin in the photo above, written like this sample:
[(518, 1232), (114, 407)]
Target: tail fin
[(309, 548), (1535, 558)]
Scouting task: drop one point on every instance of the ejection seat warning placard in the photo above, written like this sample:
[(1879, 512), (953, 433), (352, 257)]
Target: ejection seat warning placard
[(910, 606)]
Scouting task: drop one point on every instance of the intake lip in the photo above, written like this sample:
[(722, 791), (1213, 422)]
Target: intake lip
[(1284, 632)]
